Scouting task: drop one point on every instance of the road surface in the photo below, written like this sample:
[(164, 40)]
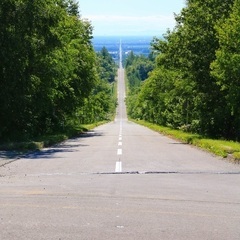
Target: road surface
[(120, 181)]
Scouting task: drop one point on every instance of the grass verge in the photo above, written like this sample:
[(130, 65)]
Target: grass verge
[(220, 148)]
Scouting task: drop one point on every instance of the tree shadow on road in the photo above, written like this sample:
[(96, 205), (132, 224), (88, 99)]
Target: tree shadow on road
[(178, 143), (71, 145)]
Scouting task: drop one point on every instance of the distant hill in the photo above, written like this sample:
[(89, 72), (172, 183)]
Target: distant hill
[(139, 45)]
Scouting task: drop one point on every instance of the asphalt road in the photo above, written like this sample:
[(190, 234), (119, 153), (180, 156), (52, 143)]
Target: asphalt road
[(120, 181)]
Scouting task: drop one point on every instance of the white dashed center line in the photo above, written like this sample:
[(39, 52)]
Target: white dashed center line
[(119, 151), (118, 167)]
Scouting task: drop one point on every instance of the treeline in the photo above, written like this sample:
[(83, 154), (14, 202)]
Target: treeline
[(137, 70), (101, 103), (49, 72), (195, 84)]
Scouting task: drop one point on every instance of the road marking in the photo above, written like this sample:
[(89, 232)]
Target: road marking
[(118, 167), (120, 227), (120, 130), (120, 144), (119, 151), (120, 138)]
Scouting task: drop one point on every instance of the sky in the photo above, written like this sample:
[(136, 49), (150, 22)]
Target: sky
[(130, 17)]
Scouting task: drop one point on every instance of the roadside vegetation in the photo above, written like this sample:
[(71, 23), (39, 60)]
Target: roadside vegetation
[(193, 88), (52, 82)]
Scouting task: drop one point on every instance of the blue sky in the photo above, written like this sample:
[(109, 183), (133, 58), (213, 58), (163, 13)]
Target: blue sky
[(130, 17)]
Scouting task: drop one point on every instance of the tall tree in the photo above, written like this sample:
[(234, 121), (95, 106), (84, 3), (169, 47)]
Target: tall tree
[(226, 69), (101, 103), (107, 65), (198, 43), (186, 92), (47, 65)]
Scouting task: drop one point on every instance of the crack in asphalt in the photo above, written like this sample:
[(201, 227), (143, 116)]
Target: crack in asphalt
[(131, 173), (164, 172)]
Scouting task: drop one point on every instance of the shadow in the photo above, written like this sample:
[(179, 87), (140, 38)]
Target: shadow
[(90, 134), (67, 146), (47, 153), (9, 155), (179, 143)]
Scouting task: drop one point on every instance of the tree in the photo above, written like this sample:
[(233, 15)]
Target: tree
[(226, 69), (48, 65), (137, 71), (188, 94), (107, 65), (101, 103), (199, 43)]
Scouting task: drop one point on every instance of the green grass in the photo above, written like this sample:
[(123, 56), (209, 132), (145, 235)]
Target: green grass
[(218, 147), (236, 157)]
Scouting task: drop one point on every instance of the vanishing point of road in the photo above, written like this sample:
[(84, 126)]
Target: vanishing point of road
[(120, 181)]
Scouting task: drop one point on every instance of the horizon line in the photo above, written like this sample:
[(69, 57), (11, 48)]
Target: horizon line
[(140, 35)]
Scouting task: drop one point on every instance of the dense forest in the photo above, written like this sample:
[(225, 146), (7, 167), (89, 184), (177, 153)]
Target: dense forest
[(195, 81), (50, 76)]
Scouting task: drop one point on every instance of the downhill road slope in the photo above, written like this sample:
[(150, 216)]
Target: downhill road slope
[(120, 181)]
